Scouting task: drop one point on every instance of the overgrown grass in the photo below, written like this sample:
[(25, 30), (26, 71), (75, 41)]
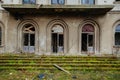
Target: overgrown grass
[(58, 75)]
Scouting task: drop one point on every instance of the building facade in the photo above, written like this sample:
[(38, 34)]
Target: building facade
[(60, 26)]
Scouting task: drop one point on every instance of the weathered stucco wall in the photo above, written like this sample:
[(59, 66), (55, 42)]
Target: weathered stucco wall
[(105, 24), (105, 2), (104, 28), (3, 23)]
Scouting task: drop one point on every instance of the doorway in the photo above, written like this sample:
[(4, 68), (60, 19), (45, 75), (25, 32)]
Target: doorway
[(29, 39), (88, 40), (57, 39)]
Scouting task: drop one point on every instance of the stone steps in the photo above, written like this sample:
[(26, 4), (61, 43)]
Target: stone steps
[(66, 62)]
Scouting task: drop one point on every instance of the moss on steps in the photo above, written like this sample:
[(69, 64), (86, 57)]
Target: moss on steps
[(67, 62)]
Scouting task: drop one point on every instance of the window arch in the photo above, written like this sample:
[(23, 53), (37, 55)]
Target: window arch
[(28, 36), (117, 35), (57, 41), (89, 35), (59, 29), (87, 42)]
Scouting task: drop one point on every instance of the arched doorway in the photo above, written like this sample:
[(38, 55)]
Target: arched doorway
[(88, 38), (28, 33), (28, 36), (57, 30), (57, 39)]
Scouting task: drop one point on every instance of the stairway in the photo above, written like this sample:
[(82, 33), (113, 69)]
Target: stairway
[(66, 62)]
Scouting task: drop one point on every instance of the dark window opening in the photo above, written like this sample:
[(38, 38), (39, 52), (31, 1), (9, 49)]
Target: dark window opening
[(54, 42), (117, 35), (57, 42), (87, 42), (32, 29), (90, 40), (117, 38), (26, 39), (61, 40), (29, 39), (32, 39), (84, 42)]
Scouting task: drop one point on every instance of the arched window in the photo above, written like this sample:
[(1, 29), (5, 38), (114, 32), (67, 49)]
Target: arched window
[(29, 38), (117, 35), (0, 36), (88, 1), (88, 38), (57, 1), (57, 38), (29, 1)]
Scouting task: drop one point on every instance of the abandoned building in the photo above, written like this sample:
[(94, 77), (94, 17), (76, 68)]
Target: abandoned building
[(60, 26)]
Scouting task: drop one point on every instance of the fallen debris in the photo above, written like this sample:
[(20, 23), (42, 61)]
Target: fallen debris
[(62, 69)]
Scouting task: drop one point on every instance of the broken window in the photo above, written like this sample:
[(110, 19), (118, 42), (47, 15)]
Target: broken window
[(29, 1), (57, 1), (88, 28), (117, 35), (29, 38), (57, 39), (87, 38), (88, 1)]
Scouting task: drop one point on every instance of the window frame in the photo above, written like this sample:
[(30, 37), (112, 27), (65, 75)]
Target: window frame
[(52, 2), (115, 34), (87, 2), (58, 33), (29, 2), (88, 33)]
